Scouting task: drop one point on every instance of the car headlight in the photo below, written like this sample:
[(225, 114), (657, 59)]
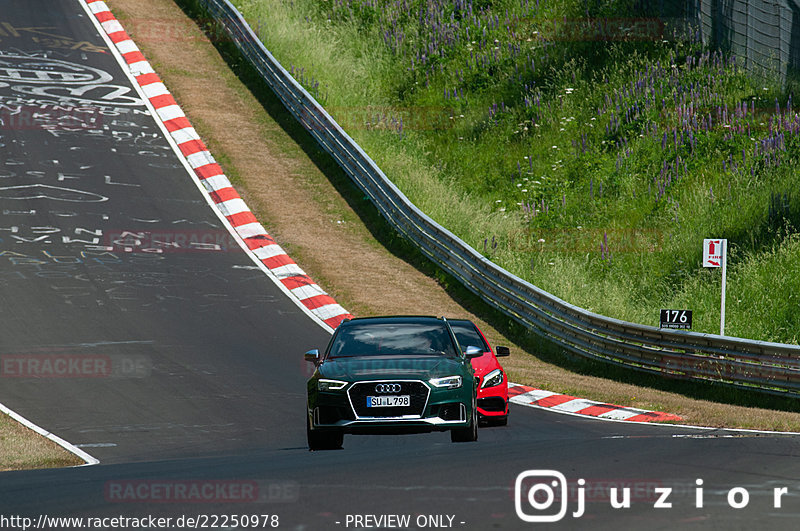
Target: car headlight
[(323, 384), (448, 382), (493, 378)]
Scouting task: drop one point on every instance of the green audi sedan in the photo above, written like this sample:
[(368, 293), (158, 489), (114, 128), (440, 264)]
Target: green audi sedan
[(392, 375)]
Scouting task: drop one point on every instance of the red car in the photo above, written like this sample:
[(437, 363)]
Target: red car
[(493, 387)]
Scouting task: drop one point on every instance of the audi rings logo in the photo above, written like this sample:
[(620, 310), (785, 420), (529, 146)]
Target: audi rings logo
[(387, 388)]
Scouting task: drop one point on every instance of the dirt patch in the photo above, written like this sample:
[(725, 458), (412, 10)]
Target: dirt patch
[(281, 178)]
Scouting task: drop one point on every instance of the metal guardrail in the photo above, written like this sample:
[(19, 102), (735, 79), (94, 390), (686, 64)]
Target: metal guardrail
[(756, 365)]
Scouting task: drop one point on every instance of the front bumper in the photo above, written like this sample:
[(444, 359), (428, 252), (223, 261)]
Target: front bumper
[(493, 401), (392, 425), (437, 410)]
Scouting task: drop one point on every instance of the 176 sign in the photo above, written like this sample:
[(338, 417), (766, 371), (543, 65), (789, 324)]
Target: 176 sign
[(676, 319)]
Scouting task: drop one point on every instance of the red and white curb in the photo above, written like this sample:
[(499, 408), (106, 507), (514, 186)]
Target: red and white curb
[(532, 397), (214, 181)]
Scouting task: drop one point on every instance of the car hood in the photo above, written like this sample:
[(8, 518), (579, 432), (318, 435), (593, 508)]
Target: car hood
[(392, 367)]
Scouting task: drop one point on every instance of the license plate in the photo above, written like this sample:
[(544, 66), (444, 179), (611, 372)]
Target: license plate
[(389, 401)]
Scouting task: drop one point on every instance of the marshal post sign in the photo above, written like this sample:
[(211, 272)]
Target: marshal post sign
[(676, 319)]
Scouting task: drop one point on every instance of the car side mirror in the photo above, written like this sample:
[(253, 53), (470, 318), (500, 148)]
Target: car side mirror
[(473, 352), (503, 351), (312, 356)]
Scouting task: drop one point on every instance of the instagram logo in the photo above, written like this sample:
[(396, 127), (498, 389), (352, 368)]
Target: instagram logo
[(541, 496)]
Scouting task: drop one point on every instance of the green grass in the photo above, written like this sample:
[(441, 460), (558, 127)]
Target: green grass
[(594, 220), (23, 449)]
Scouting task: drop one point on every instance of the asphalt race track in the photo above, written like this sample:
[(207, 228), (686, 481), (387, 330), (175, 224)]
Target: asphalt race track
[(187, 379)]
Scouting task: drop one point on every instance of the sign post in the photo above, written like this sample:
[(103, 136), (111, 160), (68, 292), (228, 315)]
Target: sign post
[(715, 254)]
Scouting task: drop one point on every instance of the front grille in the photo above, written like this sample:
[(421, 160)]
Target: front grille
[(492, 403), (418, 394)]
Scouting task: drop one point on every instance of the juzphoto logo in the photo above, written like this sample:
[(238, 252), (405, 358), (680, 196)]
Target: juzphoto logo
[(541, 496), (546, 496)]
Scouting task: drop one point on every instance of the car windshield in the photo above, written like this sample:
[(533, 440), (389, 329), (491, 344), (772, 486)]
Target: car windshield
[(468, 336), (392, 339)]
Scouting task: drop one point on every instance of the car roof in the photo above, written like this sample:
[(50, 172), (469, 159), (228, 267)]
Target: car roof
[(388, 319)]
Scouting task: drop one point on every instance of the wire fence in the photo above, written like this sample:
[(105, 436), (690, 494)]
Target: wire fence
[(765, 34)]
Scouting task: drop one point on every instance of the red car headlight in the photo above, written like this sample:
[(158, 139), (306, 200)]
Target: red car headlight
[(493, 379)]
